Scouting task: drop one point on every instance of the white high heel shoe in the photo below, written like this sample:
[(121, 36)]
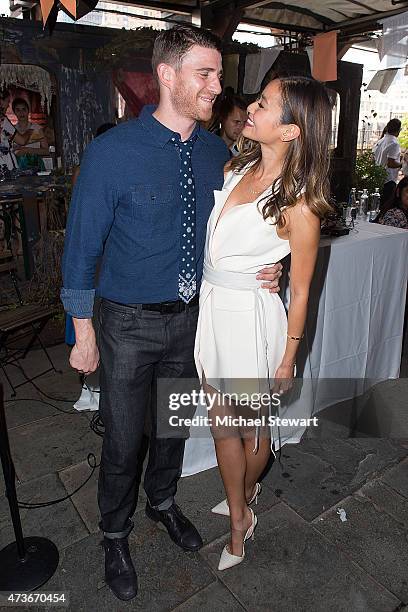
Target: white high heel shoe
[(223, 508), (227, 559)]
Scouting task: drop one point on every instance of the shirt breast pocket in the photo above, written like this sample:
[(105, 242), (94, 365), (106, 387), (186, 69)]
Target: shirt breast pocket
[(151, 196), (152, 208)]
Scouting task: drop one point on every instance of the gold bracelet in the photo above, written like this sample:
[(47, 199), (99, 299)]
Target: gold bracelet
[(295, 337)]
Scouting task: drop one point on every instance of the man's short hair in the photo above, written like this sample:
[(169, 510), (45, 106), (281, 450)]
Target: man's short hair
[(19, 101), (393, 126), (171, 46), (227, 104)]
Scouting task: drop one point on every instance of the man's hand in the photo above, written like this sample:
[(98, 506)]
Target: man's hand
[(85, 354), (271, 274)]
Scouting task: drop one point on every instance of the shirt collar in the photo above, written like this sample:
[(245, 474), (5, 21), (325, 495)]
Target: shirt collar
[(163, 134)]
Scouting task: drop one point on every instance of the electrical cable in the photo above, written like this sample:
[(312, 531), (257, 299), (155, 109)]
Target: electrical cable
[(96, 425), (93, 466), (41, 401)]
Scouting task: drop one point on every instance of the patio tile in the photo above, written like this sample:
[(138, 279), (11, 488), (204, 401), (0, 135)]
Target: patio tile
[(372, 539), (52, 444), (387, 500), (316, 474), (60, 522), (397, 478), (213, 598), (291, 567)]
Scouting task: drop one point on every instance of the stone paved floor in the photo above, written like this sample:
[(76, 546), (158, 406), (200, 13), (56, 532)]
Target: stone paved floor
[(304, 558)]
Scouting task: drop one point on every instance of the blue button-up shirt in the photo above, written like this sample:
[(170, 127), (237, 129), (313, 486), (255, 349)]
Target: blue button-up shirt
[(125, 213)]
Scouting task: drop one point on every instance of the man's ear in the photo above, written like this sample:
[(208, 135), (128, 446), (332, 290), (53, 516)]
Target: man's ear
[(165, 75), (289, 132)]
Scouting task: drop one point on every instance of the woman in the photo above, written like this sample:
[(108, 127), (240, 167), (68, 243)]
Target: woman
[(37, 146), (271, 204), (397, 214)]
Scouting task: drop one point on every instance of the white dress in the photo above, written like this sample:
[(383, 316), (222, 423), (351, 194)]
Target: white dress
[(241, 332)]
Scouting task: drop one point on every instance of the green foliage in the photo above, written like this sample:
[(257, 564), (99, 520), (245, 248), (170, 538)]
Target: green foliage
[(403, 137), (367, 174)]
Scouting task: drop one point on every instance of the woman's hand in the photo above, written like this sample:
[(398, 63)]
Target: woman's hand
[(283, 380), (22, 151)]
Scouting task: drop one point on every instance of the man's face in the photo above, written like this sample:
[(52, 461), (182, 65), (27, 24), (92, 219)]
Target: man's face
[(234, 123), (4, 103), (197, 83)]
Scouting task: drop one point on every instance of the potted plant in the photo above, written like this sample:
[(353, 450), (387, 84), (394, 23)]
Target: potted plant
[(367, 175)]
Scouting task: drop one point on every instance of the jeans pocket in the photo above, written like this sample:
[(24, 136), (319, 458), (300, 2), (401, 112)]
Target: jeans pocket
[(115, 315)]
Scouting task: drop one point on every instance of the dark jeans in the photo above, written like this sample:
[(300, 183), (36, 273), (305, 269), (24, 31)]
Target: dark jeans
[(137, 347)]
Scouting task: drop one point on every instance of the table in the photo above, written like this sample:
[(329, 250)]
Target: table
[(354, 329), (31, 192)]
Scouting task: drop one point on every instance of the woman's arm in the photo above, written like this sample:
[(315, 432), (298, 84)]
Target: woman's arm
[(21, 139), (304, 236), (43, 149)]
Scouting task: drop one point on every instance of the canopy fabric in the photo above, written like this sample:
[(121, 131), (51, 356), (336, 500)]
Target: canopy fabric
[(319, 13)]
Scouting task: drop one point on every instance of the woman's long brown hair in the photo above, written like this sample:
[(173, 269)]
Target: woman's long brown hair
[(305, 103)]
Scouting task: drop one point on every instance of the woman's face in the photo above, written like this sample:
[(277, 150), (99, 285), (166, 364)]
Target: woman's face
[(21, 112), (264, 116), (404, 197)]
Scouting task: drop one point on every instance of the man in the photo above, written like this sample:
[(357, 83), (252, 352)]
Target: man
[(232, 116), (142, 201), (8, 134), (387, 153)]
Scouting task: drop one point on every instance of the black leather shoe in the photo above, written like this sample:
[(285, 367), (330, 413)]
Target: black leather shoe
[(180, 529), (120, 574)]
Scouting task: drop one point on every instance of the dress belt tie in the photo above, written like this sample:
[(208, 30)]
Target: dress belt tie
[(244, 281)]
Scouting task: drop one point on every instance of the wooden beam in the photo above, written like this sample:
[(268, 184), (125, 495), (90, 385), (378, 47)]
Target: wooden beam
[(221, 20), (180, 9), (342, 49), (280, 26)]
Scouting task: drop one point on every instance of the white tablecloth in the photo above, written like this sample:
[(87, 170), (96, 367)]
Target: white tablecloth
[(354, 327)]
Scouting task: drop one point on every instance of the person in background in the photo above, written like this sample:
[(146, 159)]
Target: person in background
[(397, 213), (228, 119), (387, 153), (101, 129), (37, 145), (404, 161), (9, 134), (232, 116)]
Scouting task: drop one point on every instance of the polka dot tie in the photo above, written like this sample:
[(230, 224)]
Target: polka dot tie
[(187, 281)]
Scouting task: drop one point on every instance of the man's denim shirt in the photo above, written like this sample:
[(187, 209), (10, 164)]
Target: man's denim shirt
[(125, 212)]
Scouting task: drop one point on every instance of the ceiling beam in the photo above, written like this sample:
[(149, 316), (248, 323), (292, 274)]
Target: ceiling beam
[(221, 20), (280, 26), (171, 7)]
